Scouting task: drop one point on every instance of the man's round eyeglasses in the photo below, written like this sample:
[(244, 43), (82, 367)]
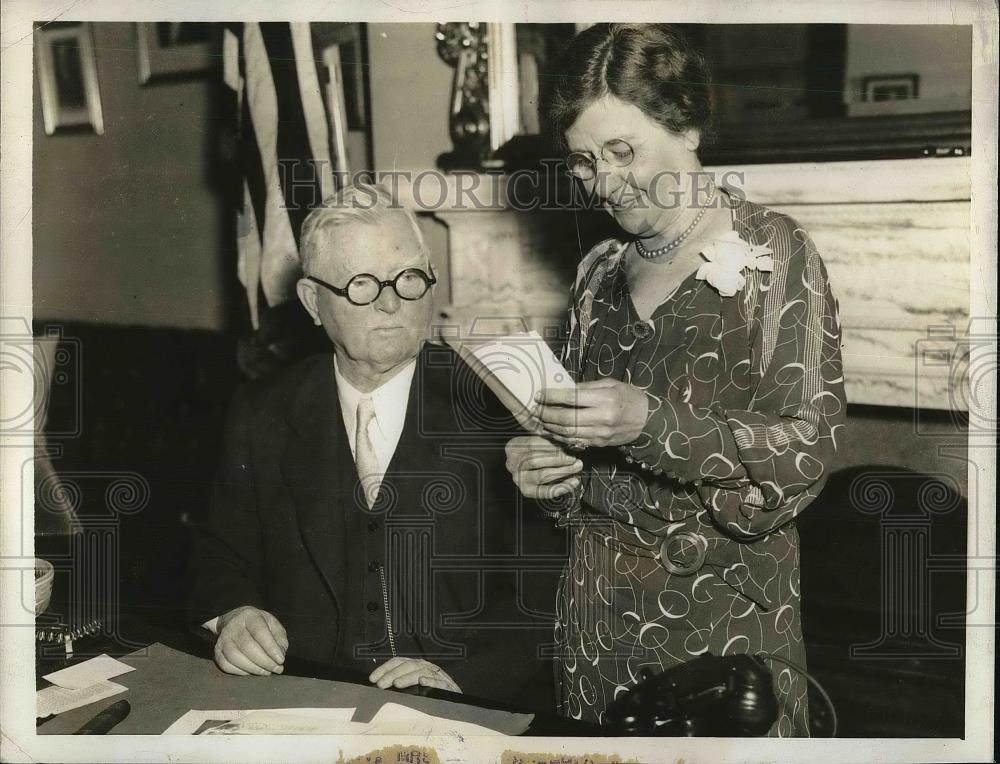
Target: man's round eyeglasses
[(615, 152), (364, 288)]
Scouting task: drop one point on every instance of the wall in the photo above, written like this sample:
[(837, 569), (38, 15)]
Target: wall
[(146, 247), (126, 228), (932, 442), (941, 56), (411, 92)]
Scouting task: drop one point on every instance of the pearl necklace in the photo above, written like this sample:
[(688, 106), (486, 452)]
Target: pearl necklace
[(651, 254)]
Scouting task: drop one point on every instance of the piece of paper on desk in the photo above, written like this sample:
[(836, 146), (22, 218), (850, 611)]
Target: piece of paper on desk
[(391, 719), (268, 721), (90, 672), (56, 700), (194, 722), (394, 719), (514, 367)]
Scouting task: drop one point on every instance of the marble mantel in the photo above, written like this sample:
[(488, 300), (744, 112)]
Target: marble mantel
[(894, 235)]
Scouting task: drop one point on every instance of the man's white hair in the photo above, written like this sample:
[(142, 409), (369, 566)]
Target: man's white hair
[(353, 204)]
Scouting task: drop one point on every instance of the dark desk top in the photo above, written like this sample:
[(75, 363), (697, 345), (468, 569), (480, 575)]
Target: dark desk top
[(167, 683), (175, 673)]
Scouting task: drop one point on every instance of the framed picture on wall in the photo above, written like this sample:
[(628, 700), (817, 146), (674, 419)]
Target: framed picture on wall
[(67, 78), (171, 51), (897, 87)]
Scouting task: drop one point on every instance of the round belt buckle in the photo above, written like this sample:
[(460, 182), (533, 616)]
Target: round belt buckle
[(682, 553)]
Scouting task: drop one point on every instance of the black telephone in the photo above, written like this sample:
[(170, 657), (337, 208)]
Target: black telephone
[(728, 696)]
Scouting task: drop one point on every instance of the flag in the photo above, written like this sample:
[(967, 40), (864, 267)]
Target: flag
[(278, 80)]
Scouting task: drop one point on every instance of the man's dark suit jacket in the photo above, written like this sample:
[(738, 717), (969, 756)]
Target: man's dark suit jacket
[(287, 532)]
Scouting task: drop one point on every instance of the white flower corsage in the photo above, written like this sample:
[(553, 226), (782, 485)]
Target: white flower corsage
[(728, 257)]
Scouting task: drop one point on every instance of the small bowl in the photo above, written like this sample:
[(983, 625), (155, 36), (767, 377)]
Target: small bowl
[(44, 577)]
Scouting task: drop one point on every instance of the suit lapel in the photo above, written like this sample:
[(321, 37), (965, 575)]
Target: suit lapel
[(319, 472)]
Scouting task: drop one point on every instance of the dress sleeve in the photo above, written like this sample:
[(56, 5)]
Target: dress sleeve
[(588, 273), (755, 469)]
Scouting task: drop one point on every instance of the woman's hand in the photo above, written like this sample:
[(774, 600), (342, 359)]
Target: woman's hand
[(605, 412), (541, 469)]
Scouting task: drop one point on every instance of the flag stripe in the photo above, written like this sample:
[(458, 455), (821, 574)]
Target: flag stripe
[(320, 45), (298, 178), (312, 105), (279, 257), (248, 245), (231, 58), (253, 165), (285, 148)]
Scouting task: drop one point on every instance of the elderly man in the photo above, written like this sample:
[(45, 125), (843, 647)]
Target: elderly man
[(362, 515)]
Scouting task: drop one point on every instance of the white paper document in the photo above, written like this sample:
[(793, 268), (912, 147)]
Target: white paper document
[(196, 721), (391, 719), (90, 672), (515, 367), (394, 719), (268, 721), (56, 700)]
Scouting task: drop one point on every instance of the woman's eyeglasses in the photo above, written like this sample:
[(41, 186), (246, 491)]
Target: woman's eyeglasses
[(364, 288), (615, 152)]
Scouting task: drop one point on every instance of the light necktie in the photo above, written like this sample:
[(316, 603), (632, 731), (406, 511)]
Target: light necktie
[(364, 452)]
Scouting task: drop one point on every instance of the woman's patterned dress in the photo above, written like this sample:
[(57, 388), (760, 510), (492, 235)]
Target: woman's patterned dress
[(746, 402)]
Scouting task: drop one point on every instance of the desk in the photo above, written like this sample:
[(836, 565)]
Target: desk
[(167, 683), (171, 680)]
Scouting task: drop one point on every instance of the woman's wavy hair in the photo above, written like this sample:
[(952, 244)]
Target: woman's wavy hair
[(651, 66)]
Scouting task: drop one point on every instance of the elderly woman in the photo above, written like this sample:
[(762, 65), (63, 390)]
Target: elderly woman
[(706, 348)]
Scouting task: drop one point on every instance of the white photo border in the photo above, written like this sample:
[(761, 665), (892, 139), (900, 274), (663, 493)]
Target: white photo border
[(17, 686)]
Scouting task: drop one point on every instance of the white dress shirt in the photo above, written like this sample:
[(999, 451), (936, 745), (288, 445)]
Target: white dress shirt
[(385, 429), (390, 411)]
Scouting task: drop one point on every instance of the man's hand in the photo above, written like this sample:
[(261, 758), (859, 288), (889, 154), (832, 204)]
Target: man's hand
[(406, 672), (250, 641), (541, 468)]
